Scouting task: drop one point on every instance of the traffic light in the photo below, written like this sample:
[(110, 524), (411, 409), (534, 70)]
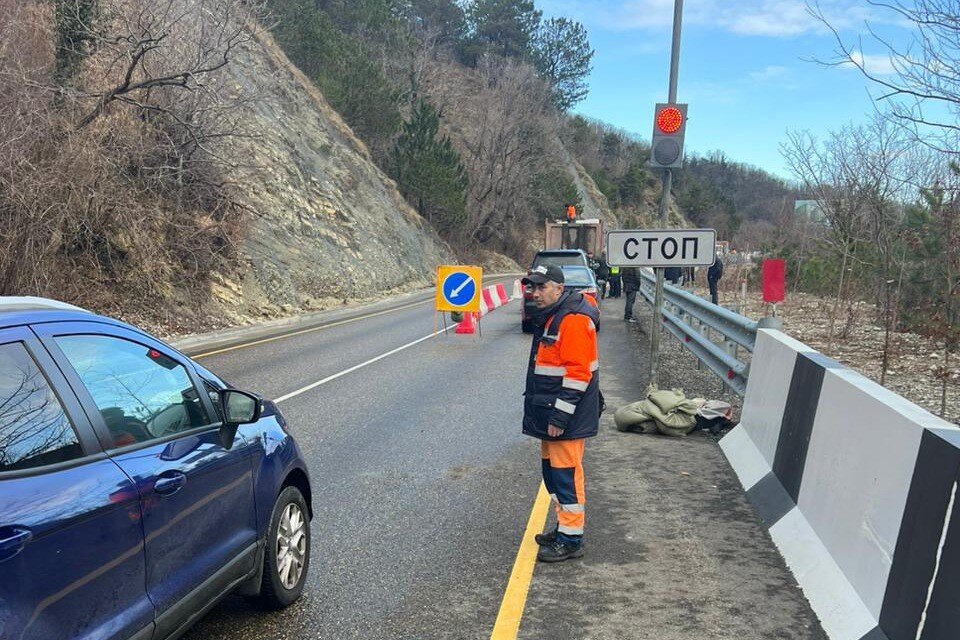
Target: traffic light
[(669, 126)]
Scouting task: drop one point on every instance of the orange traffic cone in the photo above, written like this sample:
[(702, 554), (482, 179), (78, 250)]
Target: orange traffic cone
[(468, 325)]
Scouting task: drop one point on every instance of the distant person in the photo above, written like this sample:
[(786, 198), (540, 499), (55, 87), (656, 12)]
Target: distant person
[(673, 275), (714, 273), (603, 274), (614, 281), (631, 284), (592, 262), (689, 275), (562, 402)]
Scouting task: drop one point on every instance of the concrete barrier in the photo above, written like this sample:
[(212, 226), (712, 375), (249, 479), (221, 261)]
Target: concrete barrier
[(857, 486)]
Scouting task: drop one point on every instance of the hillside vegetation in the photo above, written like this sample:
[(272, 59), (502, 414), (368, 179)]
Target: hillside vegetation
[(463, 104), (188, 163), (163, 161)]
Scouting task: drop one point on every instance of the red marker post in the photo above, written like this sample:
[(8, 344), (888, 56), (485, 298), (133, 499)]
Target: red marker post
[(774, 282)]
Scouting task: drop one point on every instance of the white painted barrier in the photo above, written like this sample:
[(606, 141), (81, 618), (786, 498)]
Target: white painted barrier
[(857, 486)]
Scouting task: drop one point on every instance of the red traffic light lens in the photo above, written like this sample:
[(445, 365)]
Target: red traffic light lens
[(669, 120)]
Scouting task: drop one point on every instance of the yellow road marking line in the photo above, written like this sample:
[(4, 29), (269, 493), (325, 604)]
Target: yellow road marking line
[(312, 329), (515, 597)]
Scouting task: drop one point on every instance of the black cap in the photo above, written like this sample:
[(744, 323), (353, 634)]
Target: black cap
[(544, 273)]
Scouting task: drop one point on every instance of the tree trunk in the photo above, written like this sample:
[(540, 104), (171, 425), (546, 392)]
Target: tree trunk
[(886, 336), (948, 340), (836, 302)]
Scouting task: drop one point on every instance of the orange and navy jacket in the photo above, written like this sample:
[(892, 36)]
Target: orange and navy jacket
[(563, 375)]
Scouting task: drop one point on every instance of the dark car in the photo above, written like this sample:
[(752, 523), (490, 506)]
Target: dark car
[(137, 489), (583, 280), (561, 257)]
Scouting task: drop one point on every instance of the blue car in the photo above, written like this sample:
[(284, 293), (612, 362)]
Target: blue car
[(137, 489)]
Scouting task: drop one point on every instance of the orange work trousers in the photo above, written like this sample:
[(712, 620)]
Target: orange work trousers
[(562, 462)]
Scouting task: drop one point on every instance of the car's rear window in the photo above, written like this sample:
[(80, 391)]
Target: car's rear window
[(559, 259), (577, 276)]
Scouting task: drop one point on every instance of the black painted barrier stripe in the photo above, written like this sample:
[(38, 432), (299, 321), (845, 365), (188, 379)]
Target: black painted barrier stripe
[(770, 500), (875, 634), (915, 558), (798, 416)]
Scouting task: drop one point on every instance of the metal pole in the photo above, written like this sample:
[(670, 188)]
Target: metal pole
[(675, 52), (665, 198)]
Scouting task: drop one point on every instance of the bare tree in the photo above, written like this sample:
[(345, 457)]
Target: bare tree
[(144, 46), (923, 93), (111, 174), (825, 169), (502, 115)]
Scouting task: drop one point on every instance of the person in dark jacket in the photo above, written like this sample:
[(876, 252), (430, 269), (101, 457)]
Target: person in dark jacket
[(631, 284), (673, 275), (602, 272), (562, 402), (714, 273)]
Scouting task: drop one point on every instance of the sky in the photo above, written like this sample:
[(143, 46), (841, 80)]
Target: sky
[(748, 68)]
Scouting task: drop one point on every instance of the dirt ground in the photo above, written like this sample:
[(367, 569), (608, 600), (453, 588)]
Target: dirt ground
[(915, 368)]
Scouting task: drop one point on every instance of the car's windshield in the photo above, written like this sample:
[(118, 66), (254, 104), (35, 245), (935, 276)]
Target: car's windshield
[(577, 277), (560, 259)]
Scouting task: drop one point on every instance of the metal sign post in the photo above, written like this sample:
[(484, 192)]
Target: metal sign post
[(665, 197)]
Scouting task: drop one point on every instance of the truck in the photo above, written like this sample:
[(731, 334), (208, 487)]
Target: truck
[(585, 234)]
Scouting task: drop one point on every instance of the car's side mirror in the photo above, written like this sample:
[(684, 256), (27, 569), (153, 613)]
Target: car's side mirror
[(237, 407)]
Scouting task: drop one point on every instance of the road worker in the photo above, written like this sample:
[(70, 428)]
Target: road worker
[(562, 402), (614, 282)]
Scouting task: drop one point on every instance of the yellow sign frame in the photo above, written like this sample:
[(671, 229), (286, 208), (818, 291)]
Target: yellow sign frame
[(474, 273)]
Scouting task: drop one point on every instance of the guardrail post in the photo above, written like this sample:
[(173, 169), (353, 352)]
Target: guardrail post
[(655, 326), (770, 323)]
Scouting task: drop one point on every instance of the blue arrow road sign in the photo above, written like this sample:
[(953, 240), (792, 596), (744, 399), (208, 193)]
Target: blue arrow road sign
[(459, 289)]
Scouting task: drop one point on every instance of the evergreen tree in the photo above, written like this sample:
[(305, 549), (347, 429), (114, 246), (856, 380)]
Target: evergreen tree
[(503, 27), (445, 18), (73, 20), (562, 54), (341, 67), (428, 170), (633, 186), (552, 192)]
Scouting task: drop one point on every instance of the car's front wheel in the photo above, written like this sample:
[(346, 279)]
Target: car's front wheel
[(287, 556)]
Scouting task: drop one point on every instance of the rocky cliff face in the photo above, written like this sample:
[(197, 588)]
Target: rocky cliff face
[(326, 224)]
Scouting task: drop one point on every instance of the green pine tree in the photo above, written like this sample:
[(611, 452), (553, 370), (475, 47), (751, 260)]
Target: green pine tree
[(428, 170), (503, 27), (340, 66), (562, 54)]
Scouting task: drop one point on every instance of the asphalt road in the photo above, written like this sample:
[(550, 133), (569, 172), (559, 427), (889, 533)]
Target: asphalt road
[(422, 480), (423, 486)]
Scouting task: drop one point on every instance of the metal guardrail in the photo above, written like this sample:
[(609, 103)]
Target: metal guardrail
[(694, 322)]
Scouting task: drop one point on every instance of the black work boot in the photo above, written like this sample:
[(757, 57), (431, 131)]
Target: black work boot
[(560, 551), (546, 539)]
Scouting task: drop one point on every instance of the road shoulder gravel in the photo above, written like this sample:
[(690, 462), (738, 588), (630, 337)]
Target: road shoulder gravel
[(673, 549)]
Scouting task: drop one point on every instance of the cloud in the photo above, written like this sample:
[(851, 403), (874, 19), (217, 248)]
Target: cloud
[(762, 18), (769, 73), (873, 64), (775, 18)]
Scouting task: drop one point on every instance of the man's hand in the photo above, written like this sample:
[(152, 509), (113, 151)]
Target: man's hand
[(554, 432)]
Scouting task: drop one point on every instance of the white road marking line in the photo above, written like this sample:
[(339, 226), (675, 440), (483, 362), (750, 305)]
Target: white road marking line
[(316, 384), (936, 571)]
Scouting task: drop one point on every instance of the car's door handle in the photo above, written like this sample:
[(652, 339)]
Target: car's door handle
[(169, 483), (12, 540)]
